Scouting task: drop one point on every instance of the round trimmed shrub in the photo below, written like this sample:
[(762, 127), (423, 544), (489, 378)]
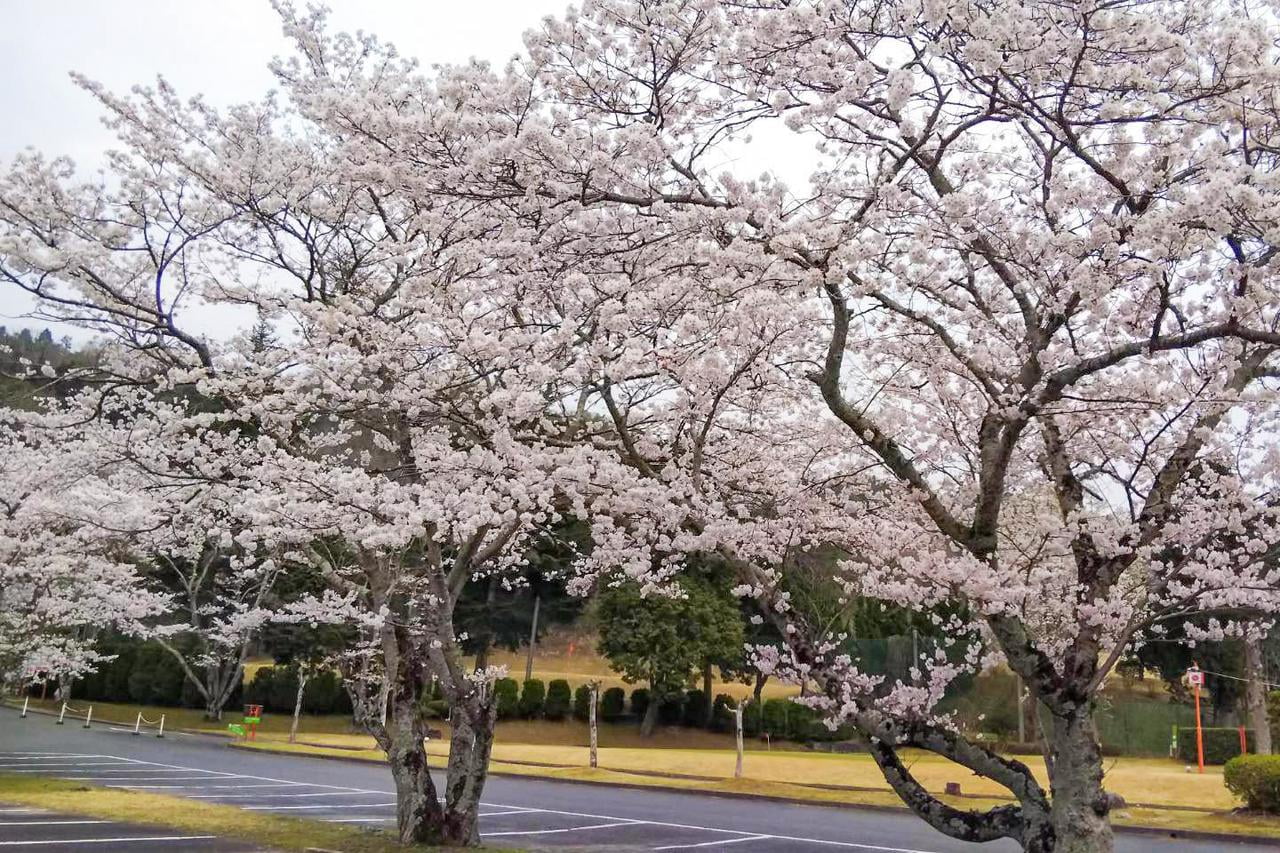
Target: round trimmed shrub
[(533, 698), (1256, 780), (613, 704), (722, 714), (582, 703), (695, 708), (507, 693), (639, 701), (776, 716), (559, 700)]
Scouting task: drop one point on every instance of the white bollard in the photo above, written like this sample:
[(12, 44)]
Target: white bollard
[(161, 732), (88, 717), (62, 713), (25, 700), (137, 726)]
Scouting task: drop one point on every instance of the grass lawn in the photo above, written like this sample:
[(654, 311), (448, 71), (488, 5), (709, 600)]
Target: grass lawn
[(275, 831)]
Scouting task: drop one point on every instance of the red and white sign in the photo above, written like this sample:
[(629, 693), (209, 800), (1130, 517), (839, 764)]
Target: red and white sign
[(1195, 678)]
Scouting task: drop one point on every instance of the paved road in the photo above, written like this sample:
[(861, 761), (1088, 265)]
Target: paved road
[(524, 812)]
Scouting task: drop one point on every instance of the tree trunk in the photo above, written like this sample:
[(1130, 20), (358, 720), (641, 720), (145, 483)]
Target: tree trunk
[(469, 749), (1255, 695), (418, 812), (297, 707), (1079, 810), (650, 720), (758, 690)]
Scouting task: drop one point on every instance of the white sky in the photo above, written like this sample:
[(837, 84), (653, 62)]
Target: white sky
[(217, 48), (220, 49)]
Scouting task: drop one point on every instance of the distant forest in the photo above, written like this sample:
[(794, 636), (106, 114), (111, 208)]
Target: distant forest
[(22, 355)]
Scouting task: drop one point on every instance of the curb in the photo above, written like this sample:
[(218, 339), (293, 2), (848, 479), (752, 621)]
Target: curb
[(1149, 831)]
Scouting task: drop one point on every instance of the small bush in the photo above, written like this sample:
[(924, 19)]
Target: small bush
[(1256, 780), (613, 704), (559, 699), (671, 709), (533, 698), (775, 718), (722, 713), (582, 703), (695, 708), (639, 701), (507, 693), (1220, 744)]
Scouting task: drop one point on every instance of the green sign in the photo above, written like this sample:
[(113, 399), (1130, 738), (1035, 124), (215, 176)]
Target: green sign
[(236, 729), (252, 720)]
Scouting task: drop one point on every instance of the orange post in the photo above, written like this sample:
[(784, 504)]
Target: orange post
[(1199, 733)]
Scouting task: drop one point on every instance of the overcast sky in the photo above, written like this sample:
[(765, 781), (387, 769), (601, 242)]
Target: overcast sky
[(218, 48)]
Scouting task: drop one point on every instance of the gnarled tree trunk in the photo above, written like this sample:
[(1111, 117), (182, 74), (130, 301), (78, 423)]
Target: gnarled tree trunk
[(469, 749), (1080, 810)]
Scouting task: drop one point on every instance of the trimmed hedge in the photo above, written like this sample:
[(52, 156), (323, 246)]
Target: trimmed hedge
[(1220, 744), (695, 708), (671, 710), (559, 700), (275, 688), (1256, 780), (533, 698), (613, 704), (722, 714), (507, 693), (582, 703), (639, 701)]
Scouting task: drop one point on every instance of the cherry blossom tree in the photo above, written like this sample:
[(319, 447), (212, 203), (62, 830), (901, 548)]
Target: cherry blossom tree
[(1010, 350), (63, 578), (1043, 234)]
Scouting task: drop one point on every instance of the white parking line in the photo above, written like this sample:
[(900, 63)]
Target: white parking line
[(613, 820), (356, 819), (715, 843), (321, 806), (509, 811), (206, 787), (45, 768), (260, 778), (136, 779), (135, 769), (24, 811), (568, 829), (48, 822), (126, 840), (254, 796)]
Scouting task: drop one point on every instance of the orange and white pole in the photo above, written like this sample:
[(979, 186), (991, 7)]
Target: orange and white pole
[(1196, 677)]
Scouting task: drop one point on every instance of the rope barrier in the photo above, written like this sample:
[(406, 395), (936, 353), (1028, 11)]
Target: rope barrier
[(88, 714), (138, 723)]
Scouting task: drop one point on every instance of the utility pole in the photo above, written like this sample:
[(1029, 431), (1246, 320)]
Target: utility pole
[(533, 638)]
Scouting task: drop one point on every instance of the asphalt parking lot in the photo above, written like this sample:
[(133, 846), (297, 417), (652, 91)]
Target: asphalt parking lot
[(38, 829), (530, 813), (340, 804)]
